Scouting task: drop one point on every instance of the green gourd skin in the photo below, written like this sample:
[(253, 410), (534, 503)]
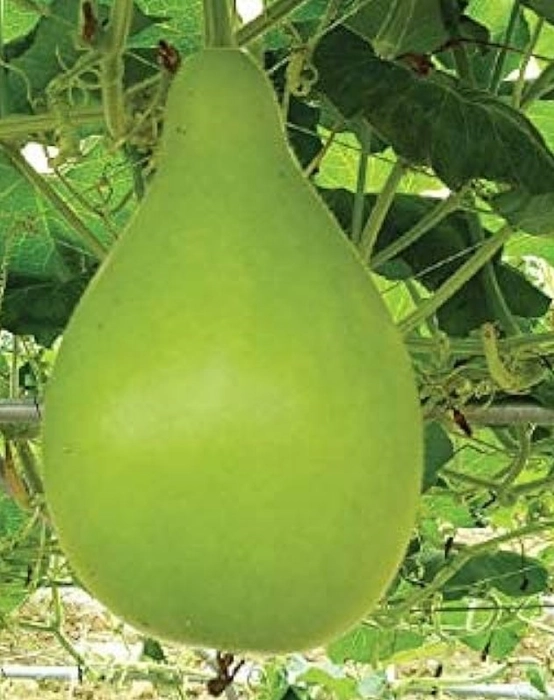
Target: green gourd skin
[(232, 439)]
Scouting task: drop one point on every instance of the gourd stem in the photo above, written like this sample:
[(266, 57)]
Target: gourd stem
[(462, 275), (218, 25), (112, 68)]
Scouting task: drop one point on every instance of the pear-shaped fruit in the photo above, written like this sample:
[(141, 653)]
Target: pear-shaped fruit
[(232, 439)]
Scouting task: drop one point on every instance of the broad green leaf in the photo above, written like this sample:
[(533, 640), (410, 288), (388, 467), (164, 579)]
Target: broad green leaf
[(499, 642), (42, 308), (464, 134), (541, 113), (533, 214), (337, 686), (367, 644), (512, 574), (439, 505), (545, 44), (413, 26), (46, 266), (20, 18), (33, 240)]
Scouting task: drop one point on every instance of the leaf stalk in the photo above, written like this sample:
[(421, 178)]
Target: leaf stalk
[(452, 285)]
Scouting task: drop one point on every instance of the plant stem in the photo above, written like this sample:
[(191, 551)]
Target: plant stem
[(532, 345), (426, 223), (359, 196), (518, 464), (534, 486), (496, 76), (493, 294), (112, 67), (539, 87), (509, 414), (450, 10), (218, 25), (519, 86), (457, 280), (380, 209), (475, 481), (271, 16), (24, 125), (48, 192), (30, 467)]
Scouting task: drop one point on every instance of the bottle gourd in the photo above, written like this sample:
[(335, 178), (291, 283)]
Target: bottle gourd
[(232, 439)]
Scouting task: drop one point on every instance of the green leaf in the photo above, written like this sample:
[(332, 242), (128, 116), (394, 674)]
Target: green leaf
[(19, 552), (47, 269), (464, 134), (500, 642), (438, 451), (441, 505), (538, 678), (34, 306), (510, 573), (400, 27), (153, 650), (543, 8), (366, 644), (336, 686), (360, 644), (533, 214)]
